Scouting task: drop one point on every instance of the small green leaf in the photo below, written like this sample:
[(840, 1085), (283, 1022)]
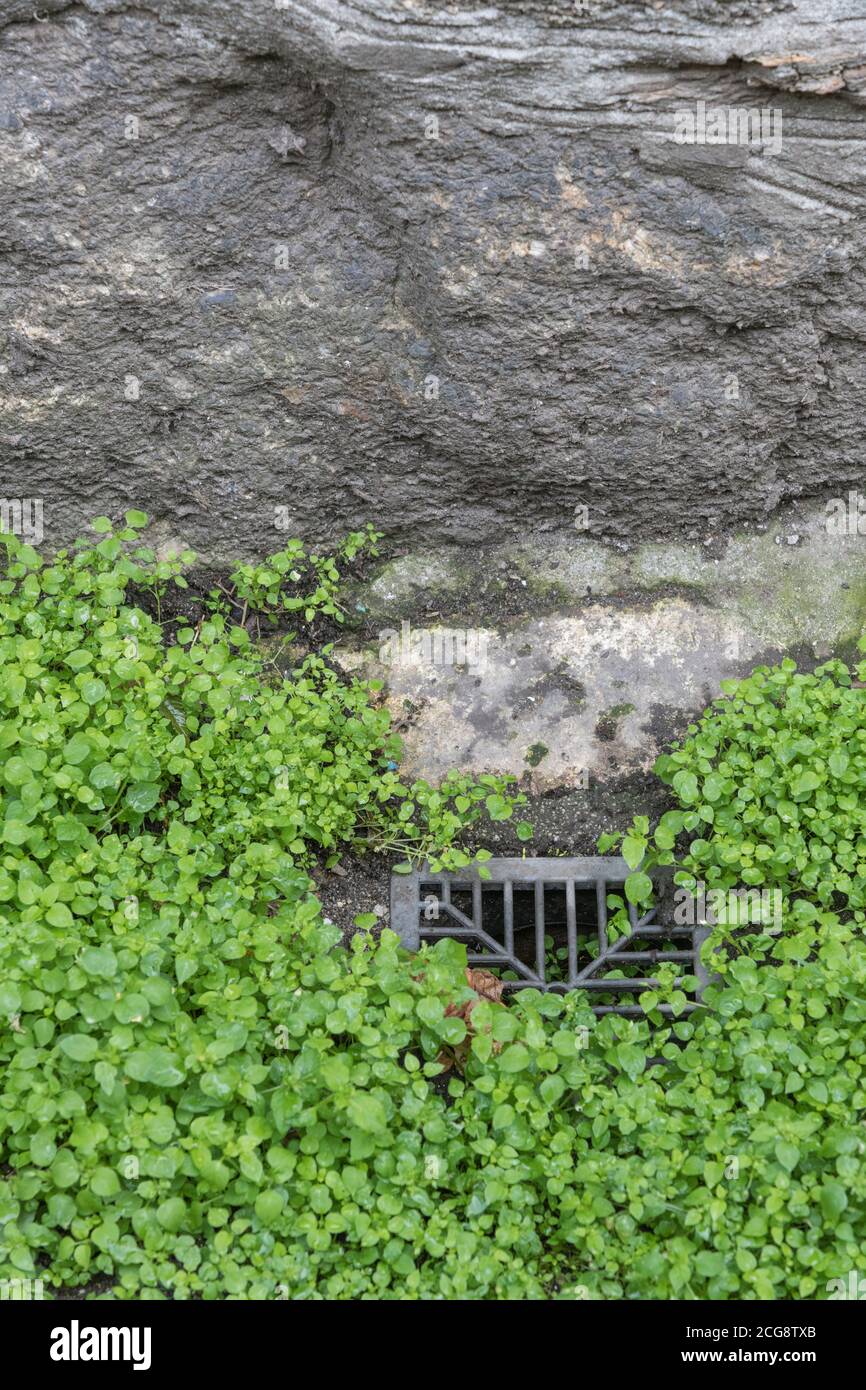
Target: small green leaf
[(633, 850), (787, 1154), (59, 915), (834, 1200), (838, 762), (638, 888), (79, 1046), (78, 659), (155, 1066), (685, 785), (170, 1214), (98, 960), (515, 1058), (367, 1112), (42, 1147), (142, 797), (269, 1206)]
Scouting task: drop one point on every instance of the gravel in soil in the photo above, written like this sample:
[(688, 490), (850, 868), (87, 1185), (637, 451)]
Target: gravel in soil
[(359, 884)]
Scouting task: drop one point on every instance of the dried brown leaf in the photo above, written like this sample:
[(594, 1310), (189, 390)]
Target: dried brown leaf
[(485, 984)]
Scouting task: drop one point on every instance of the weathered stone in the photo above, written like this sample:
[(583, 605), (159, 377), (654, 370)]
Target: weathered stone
[(611, 654), (434, 265)]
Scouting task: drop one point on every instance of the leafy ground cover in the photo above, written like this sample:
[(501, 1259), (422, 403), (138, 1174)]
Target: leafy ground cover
[(203, 1095)]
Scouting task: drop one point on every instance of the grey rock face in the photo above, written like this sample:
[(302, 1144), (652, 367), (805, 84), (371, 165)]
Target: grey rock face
[(435, 265)]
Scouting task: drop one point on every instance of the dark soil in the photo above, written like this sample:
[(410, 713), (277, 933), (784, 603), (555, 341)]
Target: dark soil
[(180, 607), (361, 883), (568, 821), (97, 1288)]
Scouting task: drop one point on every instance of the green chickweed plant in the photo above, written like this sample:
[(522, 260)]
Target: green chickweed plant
[(293, 582), (771, 785), (202, 1094)]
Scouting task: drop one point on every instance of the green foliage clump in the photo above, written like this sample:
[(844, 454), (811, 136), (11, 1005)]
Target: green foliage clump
[(291, 581), (203, 1095), (771, 783)]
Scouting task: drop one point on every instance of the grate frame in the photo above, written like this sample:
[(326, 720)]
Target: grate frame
[(600, 874)]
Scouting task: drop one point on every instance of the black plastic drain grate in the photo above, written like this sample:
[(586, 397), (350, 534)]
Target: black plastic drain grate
[(545, 922)]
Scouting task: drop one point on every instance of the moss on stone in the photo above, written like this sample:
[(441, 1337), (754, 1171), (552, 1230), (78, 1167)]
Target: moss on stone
[(536, 753)]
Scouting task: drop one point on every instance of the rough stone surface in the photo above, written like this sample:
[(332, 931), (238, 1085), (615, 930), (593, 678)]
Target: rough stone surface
[(437, 265), (611, 656)]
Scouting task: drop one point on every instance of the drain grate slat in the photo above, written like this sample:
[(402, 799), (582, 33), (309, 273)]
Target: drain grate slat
[(540, 954), (508, 915), (571, 929), (544, 924), (601, 908)]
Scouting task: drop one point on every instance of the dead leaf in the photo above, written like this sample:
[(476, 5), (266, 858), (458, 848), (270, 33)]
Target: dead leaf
[(486, 989), (485, 983)]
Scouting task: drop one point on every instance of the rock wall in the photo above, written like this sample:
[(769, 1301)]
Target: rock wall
[(441, 266)]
